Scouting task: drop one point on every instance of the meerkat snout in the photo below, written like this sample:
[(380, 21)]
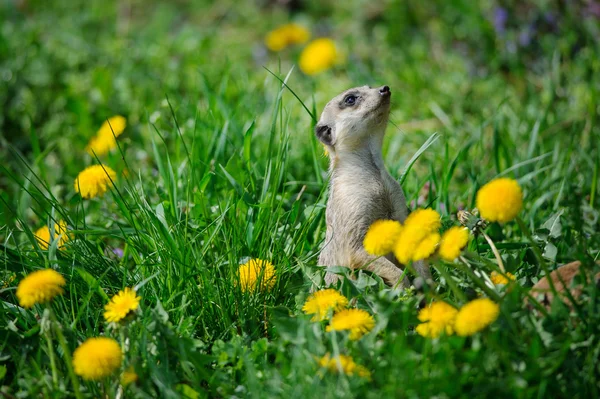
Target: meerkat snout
[(385, 90), (361, 190)]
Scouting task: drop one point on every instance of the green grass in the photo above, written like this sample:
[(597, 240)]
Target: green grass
[(222, 166)]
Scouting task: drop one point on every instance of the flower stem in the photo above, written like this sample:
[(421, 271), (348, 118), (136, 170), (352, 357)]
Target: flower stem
[(477, 280), (52, 358), (538, 255), (451, 283), (122, 334), (336, 353), (67, 356), (495, 251)]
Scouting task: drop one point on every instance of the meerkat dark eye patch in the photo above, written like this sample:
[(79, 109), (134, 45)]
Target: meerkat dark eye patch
[(349, 100), (325, 134)]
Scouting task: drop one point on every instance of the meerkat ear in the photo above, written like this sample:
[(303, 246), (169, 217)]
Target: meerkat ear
[(325, 134)]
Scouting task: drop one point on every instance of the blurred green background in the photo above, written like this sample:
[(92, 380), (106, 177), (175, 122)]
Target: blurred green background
[(67, 66), (219, 163)]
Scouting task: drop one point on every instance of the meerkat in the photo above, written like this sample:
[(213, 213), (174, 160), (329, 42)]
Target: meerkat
[(361, 190)]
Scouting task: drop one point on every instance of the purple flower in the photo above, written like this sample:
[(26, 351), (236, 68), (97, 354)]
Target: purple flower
[(593, 8), (500, 18), (525, 37), (118, 251), (550, 18)]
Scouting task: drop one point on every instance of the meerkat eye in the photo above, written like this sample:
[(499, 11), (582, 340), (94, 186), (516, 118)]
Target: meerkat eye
[(350, 99)]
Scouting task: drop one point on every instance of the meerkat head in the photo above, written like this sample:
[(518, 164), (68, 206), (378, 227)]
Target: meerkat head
[(353, 117)]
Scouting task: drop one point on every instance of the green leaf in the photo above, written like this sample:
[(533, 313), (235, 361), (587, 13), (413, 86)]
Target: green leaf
[(553, 225), (432, 139), (187, 391), (550, 251), (248, 141)]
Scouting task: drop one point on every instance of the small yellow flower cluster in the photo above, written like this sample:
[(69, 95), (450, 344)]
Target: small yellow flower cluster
[(475, 316), (256, 273), (417, 239), (42, 235), (129, 376), (345, 364), (100, 357), (453, 241), (286, 35), (322, 302), (97, 358), (318, 56), (40, 287), (499, 279), (441, 318), (121, 305), (382, 237), (91, 182), (357, 321), (104, 140), (419, 236), (436, 318), (94, 181), (500, 200)]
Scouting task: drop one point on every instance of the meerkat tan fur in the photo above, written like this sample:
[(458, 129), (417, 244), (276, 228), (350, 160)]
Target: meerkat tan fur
[(361, 190)]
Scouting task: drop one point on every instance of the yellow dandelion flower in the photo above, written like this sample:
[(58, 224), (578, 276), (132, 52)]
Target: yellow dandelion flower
[(347, 365), (39, 287), (286, 35), (419, 225), (125, 302), (115, 124), (255, 272), (318, 56), (500, 200), (424, 219), (453, 241), (427, 247), (42, 235), (357, 321), (100, 145), (437, 318), (97, 358), (129, 376), (94, 181), (381, 237), (104, 140), (499, 279), (321, 302), (475, 316)]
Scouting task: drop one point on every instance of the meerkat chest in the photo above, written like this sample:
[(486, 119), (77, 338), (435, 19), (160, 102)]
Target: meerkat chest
[(360, 195)]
